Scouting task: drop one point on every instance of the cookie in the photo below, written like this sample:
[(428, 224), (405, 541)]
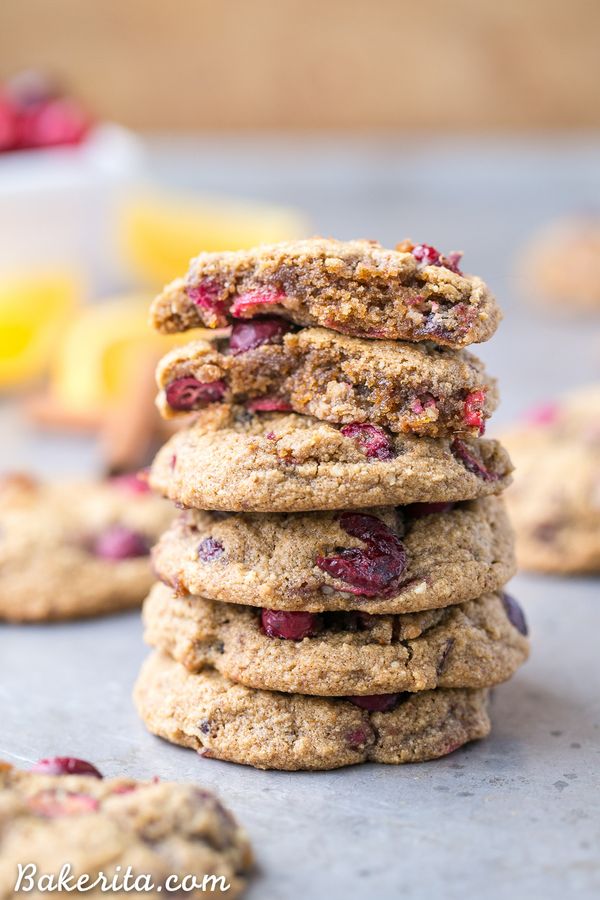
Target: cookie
[(412, 293), (471, 645), (561, 265), (96, 825), (76, 549), (447, 554), (412, 388), (270, 730), (555, 500), (230, 459)]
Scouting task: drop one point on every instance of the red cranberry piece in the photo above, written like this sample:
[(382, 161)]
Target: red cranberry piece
[(429, 256), (452, 261), (188, 393), (65, 765), (268, 404), (249, 335), (134, 482), (125, 789), (206, 294), (256, 297), (376, 702), (9, 127), (120, 542), (371, 439), (418, 510), (473, 410), (210, 549), (54, 123), (52, 803), (426, 255), (291, 626), (374, 570), (545, 414), (357, 738), (515, 614), (470, 461), (420, 404)]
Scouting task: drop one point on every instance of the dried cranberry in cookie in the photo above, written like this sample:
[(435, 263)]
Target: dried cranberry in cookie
[(471, 462), (65, 765), (376, 702), (252, 300), (474, 405), (418, 510), (268, 404), (292, 626), (371, 439), (187, 394), (374, 570), (55, 803), (120, 542), (515, 614), (210, 549), (247, 336)]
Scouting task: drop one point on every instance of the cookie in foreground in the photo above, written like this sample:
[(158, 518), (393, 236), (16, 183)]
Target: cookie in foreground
[(63, 811)]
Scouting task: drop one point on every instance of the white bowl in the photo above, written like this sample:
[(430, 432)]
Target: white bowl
[(59, 206)]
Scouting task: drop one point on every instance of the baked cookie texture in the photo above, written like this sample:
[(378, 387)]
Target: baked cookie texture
[(413, 388), (471, 645), (270, 730), (230, 459), (555, 500), (97, 825), (451, 555), (354, 287), (75, 548), (560, 267)]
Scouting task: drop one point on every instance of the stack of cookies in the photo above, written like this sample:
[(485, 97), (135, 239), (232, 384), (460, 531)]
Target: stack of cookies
[(332, 590)]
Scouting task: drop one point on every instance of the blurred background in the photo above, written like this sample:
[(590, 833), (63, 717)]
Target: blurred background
[(134, 135)]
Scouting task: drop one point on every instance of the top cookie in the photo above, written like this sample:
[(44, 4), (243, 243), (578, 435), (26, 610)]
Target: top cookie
[(158, 829), (230, 459), (359, 288)]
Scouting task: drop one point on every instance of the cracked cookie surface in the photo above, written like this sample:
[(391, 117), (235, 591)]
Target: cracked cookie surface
[(98, 825), (471, 645), (354, 287), (230, 459), (271, 730), (413, 388), (451, 555), (75, 548)]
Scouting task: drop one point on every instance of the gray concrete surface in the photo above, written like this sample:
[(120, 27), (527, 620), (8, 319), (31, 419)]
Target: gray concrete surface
[(515, 816)]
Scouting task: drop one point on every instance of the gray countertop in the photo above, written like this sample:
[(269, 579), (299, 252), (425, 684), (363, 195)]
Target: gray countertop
[(515, 815)]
